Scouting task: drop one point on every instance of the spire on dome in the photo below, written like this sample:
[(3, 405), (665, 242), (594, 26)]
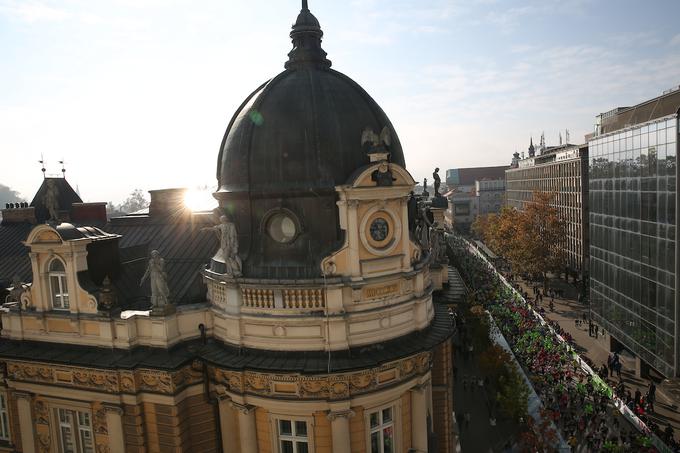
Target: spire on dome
[(306, 36)]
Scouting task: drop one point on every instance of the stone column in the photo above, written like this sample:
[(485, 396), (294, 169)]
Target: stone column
[(340, 430), (26, 422), (419, 418), (227, 424), (114, 424), (246, 427)]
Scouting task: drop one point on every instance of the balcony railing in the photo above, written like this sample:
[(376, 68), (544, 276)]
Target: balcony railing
[(284, 298)]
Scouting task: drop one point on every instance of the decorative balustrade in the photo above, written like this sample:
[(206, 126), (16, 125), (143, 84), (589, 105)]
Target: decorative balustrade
[(284, 298), (257, 298), (304, 298)]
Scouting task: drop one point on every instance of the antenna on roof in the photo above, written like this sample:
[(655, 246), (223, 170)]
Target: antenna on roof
[(42, 164), (63, 169)]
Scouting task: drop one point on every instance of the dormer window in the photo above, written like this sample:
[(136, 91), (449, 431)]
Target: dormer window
[(57, 276)]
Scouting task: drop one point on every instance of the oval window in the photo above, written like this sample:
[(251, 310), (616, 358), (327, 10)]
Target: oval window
[(282, 228)]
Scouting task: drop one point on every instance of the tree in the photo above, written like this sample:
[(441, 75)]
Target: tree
[(134, 202), (7, 195), (530, 239), (494, 362), (542, 235), (513, 394)]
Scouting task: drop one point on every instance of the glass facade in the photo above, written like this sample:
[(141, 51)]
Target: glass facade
[(632, 198)]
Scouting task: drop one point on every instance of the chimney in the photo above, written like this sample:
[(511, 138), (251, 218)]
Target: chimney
[(18, 213), (94, 213), (168, 203)]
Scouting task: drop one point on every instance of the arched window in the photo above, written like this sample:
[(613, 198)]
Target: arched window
[(57, 276)]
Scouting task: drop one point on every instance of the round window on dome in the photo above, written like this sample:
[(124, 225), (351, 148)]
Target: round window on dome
[(282, 228)]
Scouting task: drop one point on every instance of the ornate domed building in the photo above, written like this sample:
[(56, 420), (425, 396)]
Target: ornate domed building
[(301, 321)]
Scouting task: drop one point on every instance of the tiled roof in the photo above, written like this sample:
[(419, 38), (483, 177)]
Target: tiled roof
[(66, 197), (14, 259), (185, 249)]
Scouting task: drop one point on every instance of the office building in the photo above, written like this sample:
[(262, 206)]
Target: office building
[(561, 170), (633, 221)]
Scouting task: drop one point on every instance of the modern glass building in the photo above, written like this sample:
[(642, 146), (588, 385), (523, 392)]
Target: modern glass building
[(633, 206)]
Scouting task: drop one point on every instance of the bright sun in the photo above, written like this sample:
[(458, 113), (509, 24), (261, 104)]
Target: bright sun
[(199, 200)]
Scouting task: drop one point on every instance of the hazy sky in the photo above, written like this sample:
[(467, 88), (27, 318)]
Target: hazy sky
[(138, 93)]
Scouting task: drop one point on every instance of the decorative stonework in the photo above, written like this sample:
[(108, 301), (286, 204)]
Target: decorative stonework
[(105, 381), (41, 412), (30, 372), (99, 420), (338, 386), (141, 380), (154, 381), (340, 414)]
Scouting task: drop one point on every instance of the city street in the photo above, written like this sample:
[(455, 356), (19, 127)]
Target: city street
[(566, 311), (479, 435)]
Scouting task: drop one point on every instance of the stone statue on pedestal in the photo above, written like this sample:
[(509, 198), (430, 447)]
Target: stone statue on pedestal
[(437, 182), (228, 236), (107, 295), (438, 244), (423, 229), (18, 289), (155, 271)]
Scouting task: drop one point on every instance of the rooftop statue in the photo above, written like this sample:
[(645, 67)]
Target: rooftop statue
[(368, 136), (228, 237), (155, 271), (437, 182), (51, 200), (18, 289)]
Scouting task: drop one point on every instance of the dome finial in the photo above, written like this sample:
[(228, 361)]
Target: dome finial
[(306, 36)]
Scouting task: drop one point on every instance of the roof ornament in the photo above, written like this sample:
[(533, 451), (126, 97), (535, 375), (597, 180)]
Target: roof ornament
[(63, 169), (378, 145), (306, 36), (51, 200), (160, 294), (229, 261), (42, 164)]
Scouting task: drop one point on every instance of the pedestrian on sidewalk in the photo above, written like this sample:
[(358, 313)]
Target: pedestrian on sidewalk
[(610, 363), (651, 395), (604, 371), (596, 330)]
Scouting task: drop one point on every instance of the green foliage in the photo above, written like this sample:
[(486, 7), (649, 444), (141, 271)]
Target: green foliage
[(513, 394)]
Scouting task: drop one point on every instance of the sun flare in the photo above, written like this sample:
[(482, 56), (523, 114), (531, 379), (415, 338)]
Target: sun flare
[(199, 200)]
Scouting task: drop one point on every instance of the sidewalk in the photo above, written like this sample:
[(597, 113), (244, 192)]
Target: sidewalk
[(597, 350), (479, 435)]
